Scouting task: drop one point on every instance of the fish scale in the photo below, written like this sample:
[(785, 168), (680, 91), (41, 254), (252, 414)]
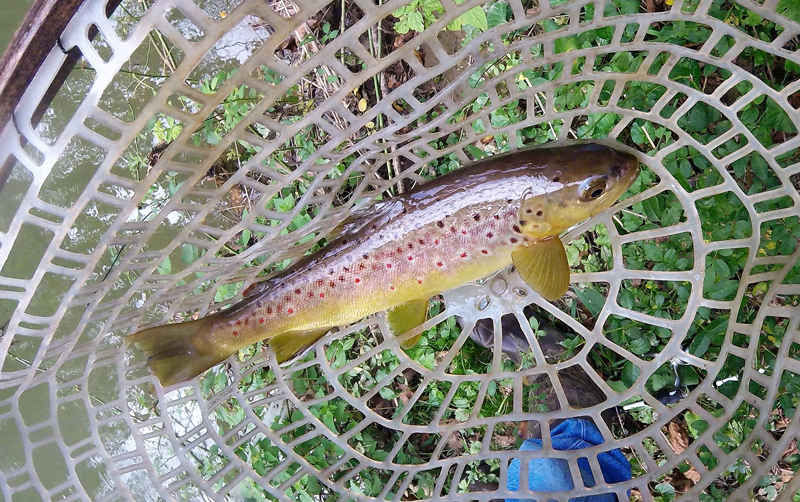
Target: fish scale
[(425, 260), (400, 252)]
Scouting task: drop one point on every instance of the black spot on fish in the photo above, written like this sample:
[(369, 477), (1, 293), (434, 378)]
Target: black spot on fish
[(344, 241), (476, 217), (497, 217), (522, 223), (440, 224), (490, 235), (540, 213), (513, 240), (341, 278), (346, 269), (556, 179), (453, 229), (517, 229), (509, 201), (616, 170), (365, 256)]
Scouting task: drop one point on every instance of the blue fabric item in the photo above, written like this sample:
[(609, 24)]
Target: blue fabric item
[(553, 474)]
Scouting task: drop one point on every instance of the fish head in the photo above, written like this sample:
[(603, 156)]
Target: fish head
[(580, 183)]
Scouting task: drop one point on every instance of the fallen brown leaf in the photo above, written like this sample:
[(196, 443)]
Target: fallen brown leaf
[(678, 438), (406, 395), (505, 441), (791, 450), (456, 442)]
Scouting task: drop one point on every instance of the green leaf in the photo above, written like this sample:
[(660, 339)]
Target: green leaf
[(414, 21), (723, 290), (640, 346), (593, 299), (497, 14), (189, 253), (165, 267), (475, 152), (700, 344), (474, 17), (630, 372), (790, 9), (617, 385)]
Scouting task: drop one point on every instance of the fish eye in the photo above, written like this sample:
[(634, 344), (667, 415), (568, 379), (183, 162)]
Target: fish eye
[(593, 188)]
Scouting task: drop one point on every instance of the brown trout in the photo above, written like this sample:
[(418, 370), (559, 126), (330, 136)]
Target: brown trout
[(398, 253)]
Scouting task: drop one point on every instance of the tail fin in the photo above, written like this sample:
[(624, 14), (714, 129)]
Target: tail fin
[(173, 352)]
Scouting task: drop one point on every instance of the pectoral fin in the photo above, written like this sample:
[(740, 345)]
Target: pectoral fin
[(544, 267), (407, 317), (289, 345)]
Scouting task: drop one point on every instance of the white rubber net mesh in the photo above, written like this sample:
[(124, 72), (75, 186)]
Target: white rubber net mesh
[(154, 196)]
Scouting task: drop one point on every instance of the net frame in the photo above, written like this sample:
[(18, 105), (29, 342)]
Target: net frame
[(69, 358)]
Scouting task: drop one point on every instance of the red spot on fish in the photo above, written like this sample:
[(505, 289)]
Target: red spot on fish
[(361, 266), (358, 280), (269, 310), (322, 295), (464, 232), (399, 250), (513, 240), (235, 333), (297, 291), (247, 322), (410, 258), (388, 265), (392, 288), (261, 320), (463, 255), (238, 323), (290, 311), (436, 242), (439, 264), (490, 235), (419, 281), (484, 251)]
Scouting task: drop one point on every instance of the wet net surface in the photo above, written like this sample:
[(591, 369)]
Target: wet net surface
[(105, 231)]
